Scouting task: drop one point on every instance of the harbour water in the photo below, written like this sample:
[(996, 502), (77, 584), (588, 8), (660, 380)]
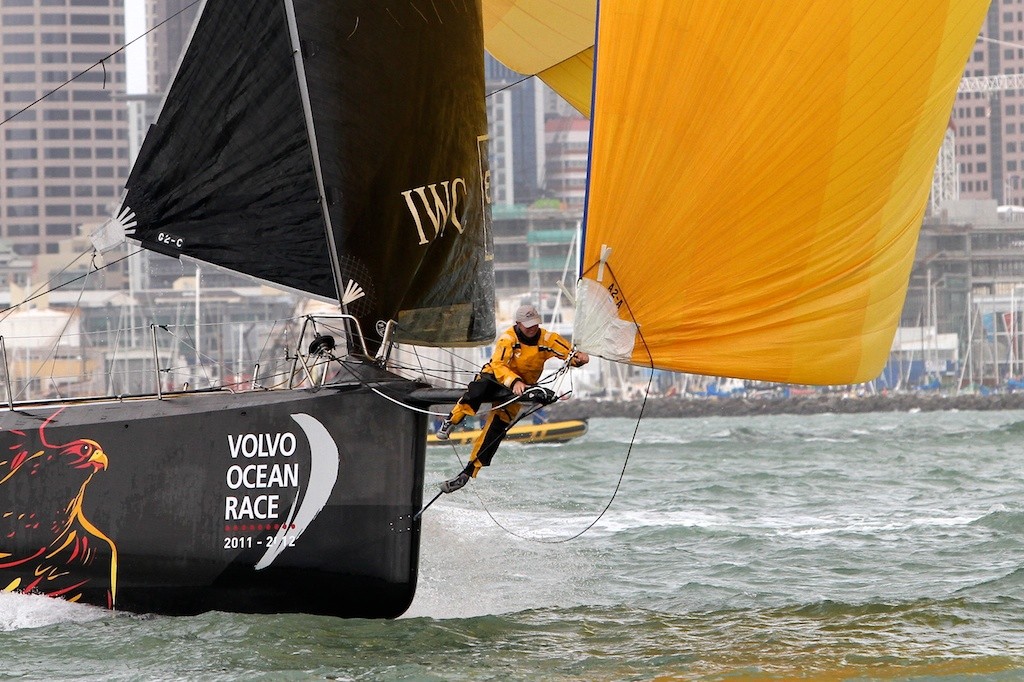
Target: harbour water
[(831, 546)]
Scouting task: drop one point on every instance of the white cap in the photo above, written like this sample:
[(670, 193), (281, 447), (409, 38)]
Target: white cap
[(527, 316)]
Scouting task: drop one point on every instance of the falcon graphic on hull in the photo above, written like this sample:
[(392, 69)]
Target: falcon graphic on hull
[(58, 548)]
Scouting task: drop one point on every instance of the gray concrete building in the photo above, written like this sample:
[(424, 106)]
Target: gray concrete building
[(172, 20), (65, 126), (968, 280)]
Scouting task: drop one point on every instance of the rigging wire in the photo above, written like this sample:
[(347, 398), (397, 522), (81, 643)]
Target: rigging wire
[(442, 372), (986, 39), (53, 350), (188, 343), (43, 290), (40, 290), (506, 87), (38, 293), (100, 63)]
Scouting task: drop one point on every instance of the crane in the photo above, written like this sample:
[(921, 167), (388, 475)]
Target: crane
[(946, 180)]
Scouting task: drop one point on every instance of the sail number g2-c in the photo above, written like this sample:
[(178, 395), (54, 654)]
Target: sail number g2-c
[(170, 240)]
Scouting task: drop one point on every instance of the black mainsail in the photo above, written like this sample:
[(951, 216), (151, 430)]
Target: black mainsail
[(334, 148)]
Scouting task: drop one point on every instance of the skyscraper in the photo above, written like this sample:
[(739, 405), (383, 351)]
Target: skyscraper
[(515, 116), (988, 119), (163, 46), (65, 125), (568, 150)]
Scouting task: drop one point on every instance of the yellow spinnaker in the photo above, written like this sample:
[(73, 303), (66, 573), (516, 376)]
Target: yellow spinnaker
[(759, 171), (552, 39)]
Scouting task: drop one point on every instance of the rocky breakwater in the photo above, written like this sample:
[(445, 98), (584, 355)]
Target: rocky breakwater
[(674, 408)]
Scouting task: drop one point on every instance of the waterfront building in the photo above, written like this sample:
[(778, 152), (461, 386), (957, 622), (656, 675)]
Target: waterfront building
[(515, 122), (534, 250), (968, 279)]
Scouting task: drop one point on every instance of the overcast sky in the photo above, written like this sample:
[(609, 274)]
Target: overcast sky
[(135, 25)]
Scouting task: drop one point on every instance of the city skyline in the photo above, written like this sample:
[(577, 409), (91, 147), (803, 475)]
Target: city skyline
[(135, 54), (65, 140)]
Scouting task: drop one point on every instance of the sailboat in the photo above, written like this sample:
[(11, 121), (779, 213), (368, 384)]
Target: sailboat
[(337, 150), (757, 178)]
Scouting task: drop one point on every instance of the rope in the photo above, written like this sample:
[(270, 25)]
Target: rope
[(430, 413), (407, 406)]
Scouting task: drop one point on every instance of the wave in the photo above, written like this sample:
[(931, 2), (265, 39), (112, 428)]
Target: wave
[(1009, 586), (792, 524), (818, 640), (1013, 428), (1008, 520), (20, 611), (595, 641)]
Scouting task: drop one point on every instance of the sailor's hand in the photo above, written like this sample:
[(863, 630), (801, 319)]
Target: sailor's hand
[(580, 358), (519, 386)]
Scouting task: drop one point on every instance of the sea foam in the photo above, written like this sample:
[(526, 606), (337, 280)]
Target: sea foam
[(20, 611)]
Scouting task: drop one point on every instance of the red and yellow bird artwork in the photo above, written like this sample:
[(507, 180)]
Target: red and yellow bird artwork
[(47, 545)]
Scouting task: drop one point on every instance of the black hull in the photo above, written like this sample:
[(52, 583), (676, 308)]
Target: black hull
[(261, 502)]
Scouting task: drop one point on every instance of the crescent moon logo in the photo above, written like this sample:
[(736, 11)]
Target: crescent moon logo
[(323, 474)]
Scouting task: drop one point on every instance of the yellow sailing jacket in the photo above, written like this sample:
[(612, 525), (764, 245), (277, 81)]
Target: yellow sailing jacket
[(517, 358)]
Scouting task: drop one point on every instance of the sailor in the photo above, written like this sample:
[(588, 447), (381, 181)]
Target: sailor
[(517, 363)]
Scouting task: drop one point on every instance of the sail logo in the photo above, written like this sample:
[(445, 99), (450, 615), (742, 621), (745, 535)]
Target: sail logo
[(436, 205), (170, 240)]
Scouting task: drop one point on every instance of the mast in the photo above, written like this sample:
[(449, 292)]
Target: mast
[(293, 29)]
